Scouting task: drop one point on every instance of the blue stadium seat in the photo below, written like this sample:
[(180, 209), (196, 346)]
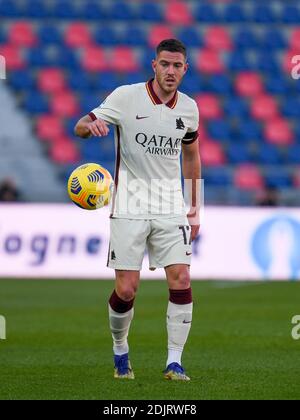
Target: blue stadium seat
[(239, 61), (264, 14), (65, 9), (279, 179), (269, 154), (192, 84), (131, 78), (219, 176), (36, 103), (66, 58), (249, 130), (273, 39), (235, 107), (79, 81), (246, 38), (150, 12), (277, 84), (106, 35), (49, 34), (235, 13), (95, 150), (61, 56), (239, 153), (3, 36), (36, 9), (10, 9), (291, 107), (190, 37), (134, 36), (119, 10), (39, 57), (290, 14), (219, 130), (266, 62), (93, 10), (219, 83), (21, 80), (207, 13), (107, 81), (293, 154), (89, 102)]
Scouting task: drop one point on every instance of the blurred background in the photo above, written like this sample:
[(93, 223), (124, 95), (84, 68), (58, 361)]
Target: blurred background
[(63, 57)]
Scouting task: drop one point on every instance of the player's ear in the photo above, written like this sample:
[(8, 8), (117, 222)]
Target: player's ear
[(154, 64), (186, 66)]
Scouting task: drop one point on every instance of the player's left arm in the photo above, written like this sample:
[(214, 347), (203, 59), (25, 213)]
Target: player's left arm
[(191, 168)]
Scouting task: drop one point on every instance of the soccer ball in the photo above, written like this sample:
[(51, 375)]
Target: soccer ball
[(90, 186)]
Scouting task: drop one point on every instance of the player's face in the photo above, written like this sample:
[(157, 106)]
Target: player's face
[(169, 68)]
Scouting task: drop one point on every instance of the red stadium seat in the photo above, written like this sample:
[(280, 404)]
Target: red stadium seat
[(248, 177), (77, 35), (278, 131), (212, 153), (209, 106), (65, 105), (158, 33), (296, 178), (218, 38), (288, 65), (209, 61), (49, 127), (51, 80), (178, 13), (264, 107), (249, 84), (22, 34), (13, 57), (64, 151), (123, 60), (94, 59), (295, 40)]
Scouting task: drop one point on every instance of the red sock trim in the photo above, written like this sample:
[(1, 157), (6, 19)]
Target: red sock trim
[(119, 305), (181, 297)]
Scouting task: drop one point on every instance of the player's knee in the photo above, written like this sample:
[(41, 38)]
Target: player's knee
[(126, 292), (183, 280)]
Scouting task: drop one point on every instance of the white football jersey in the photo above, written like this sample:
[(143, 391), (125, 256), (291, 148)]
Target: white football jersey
[(148, 138)]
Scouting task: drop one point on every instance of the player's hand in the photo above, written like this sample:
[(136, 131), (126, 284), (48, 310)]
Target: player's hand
[(194, 223), (98, 128)]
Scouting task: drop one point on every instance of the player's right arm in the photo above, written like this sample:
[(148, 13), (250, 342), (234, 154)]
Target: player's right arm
[(86, 127)]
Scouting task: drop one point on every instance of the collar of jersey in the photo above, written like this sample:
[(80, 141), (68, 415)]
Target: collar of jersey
[(155, 99)]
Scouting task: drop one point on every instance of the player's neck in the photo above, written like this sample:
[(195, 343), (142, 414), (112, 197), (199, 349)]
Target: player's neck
[(165, 97)]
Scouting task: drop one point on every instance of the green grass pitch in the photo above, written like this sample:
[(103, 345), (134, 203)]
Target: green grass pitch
[(58, 343)]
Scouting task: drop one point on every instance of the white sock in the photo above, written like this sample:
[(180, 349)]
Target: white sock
[(119, 326), (179, 318)]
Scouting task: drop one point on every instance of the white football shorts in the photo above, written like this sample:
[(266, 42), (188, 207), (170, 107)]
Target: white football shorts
[(168, 241)]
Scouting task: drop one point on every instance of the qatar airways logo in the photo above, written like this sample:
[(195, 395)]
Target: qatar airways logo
[(159, 145)]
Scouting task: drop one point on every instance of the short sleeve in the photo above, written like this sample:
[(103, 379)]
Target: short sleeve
[(192, 132), (113, 107)]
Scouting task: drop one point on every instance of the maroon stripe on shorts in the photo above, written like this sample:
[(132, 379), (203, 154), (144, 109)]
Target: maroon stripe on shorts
[(119, 305), (180, 297)]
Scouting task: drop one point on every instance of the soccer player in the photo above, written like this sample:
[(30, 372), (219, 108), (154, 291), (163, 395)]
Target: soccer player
[(153, 122)]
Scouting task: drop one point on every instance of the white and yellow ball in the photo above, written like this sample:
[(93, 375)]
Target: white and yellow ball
[(90, 186)]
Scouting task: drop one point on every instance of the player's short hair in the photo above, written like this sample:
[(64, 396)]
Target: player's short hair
[(172, 45)]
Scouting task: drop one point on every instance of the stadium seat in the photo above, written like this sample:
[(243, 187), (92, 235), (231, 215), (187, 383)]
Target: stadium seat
[(294, 42), (64, 151), (217, 38), (106, 82), (22, 34), (64, 105), (51, 80), (123, 59), (248, 177), (13, 57), (219, 130), (293, 154), (220, 84), (266, 62), (291, 107), (217, 176), (77, 35), (94, 59), (245, 38), (240, 61), (190, 36), (35, 103), (269, 154), (49, 127), (290, 14), (192, 83), (209, 62), (121, 10), (10, 9), (150, 12), (207, 13), (288, 63), (106, 35), (49, 34), (89, 101), (133, 36), (277, 84), (36, 9), (65, 9), (278, 180), (93, 10), (249, 130), (235, 107), (296, 178), (249, 84), (234, 13), (239, 153), (273, 39), (263, 13), (264, 107), (209, 106), (78, 81), (178, 13), (22, 80), (212, 153), (278, 131), (157, 33)]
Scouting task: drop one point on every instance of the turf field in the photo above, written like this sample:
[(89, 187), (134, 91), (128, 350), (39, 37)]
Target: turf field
[(59, 347)]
